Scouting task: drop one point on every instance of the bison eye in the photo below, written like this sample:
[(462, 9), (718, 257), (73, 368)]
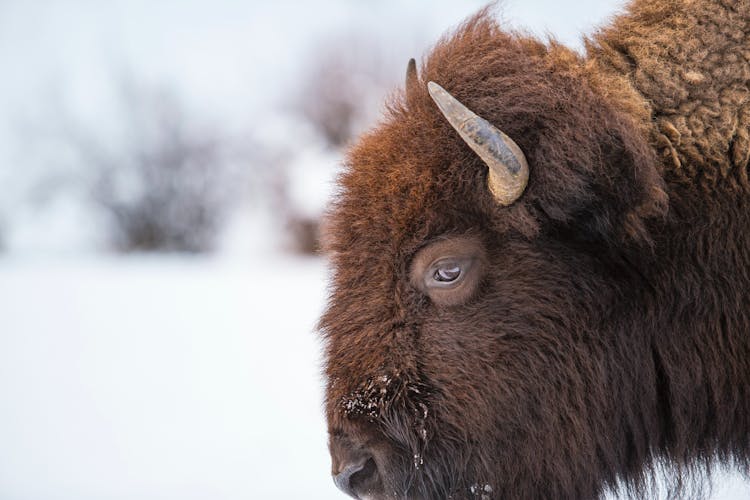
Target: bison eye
[(447, 272)]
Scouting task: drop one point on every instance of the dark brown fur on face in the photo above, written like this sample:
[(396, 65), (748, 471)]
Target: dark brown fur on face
[(609, 332)]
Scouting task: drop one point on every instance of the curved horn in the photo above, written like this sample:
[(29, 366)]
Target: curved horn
[(509, 171)]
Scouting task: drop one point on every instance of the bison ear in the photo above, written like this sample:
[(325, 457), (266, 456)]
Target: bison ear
[(609, 191)]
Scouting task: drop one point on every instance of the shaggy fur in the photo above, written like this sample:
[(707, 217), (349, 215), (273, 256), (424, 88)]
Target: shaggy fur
[(611, 331)]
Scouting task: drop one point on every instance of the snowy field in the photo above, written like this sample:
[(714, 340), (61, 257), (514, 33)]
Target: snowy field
[(161, 378), (166, 378)]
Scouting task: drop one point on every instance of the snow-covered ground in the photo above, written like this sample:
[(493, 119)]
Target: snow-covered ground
[(166, 378), (161, 378)]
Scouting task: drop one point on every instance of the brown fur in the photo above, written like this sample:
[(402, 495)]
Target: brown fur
[(611, 330)]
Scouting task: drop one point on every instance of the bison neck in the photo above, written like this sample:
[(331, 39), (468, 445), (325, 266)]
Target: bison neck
[(695, 307), (681, 70)]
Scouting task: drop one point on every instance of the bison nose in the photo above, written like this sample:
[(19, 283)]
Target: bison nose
[(353, 467), (356, 479)]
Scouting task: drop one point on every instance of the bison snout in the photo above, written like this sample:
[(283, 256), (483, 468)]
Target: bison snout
[(353, 468)]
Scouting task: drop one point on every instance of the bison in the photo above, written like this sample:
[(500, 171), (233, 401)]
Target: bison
[(541, 266)]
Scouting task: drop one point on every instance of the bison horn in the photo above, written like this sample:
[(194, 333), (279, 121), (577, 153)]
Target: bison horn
[(509, 171), (411, 77)]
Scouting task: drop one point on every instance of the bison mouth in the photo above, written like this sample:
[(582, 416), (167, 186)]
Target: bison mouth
[(378, 439), (355, 468), (366, 468), (387, 442), (359, 479)]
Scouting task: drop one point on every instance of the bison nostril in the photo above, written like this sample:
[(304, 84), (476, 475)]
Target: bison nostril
[(358, 478)]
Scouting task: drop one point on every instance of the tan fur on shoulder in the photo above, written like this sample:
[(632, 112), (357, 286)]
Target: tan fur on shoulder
[(683, 67)]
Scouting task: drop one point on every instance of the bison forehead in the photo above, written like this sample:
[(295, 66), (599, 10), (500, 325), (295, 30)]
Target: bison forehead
[(392, 197)]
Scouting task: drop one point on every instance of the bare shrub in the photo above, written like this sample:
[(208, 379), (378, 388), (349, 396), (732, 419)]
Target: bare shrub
[(305, 234), (301, 228), (343, 86), (339, 94), (166, 184)]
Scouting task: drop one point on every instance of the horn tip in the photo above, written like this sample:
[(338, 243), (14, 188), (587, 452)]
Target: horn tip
[(433, 88)]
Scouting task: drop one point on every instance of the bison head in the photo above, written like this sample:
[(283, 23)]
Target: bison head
[(480, 346)]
